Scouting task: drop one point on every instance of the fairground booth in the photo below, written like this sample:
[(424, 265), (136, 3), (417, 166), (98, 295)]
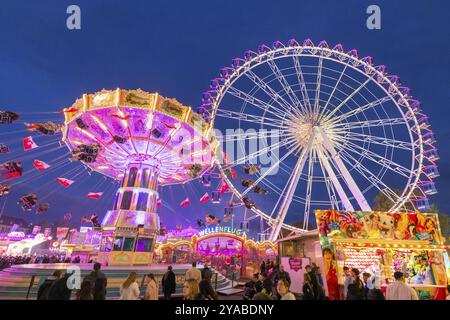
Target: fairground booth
[(225, 248), (382, 243)]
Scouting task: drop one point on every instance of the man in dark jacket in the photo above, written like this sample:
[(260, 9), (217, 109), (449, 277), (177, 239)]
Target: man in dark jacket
[(98, 282), (44, 288), (168, 283), (284, 275), (207, 273), (59, 289)]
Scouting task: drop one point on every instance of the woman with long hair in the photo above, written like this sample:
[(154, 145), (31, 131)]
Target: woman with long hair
[(85, 292), (129, 290), (206, 291), (190, 289), (151, 293)]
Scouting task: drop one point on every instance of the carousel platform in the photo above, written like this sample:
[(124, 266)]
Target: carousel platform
[(21, 282)]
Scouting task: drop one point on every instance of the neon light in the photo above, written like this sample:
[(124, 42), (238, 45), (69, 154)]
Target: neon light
[(219, 229)]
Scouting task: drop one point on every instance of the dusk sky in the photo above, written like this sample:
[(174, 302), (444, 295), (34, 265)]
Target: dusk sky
[(176, 48)]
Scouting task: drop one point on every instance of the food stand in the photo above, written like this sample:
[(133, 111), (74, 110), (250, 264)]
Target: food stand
[(382, 243)]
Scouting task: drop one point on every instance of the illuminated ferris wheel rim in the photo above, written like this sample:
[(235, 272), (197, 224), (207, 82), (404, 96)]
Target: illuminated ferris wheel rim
[(389, 84)]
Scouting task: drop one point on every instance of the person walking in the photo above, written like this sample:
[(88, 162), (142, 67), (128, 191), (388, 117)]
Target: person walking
[(282, 274), (398, 290), (44, 288), (129, 290), (193, 273), (206, 273), (99, 282), (168, 283), (151, 293)]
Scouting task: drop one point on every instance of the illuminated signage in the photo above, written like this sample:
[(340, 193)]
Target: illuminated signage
[(219, 229)]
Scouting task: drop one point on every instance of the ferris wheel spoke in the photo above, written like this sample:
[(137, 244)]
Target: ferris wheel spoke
[(235, 115), (330, 188), (243, 136), (275, 165), (362, 202), (329, 115), (286, 86), (334, 89), (257, 153), (302, 83), (323, 160), (269, 91), (318, 81), (353, 136), (291, 189), (370, 177), (370, 123), (361, 109), (308, 191), (376, 158), (266, 107)]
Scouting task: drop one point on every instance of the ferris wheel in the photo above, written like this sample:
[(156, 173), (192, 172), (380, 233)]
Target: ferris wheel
[(319, 128)]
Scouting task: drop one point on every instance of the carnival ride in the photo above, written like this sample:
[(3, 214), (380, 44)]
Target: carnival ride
[(342, 126), (330, 130)]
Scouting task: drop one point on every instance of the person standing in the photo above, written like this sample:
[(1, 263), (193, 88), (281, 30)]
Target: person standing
[(308, 289), (99, 282), (262, 267), (44, 288), (168, 283), (193, 273), (85, 292), (151, 293), (347, 281), (207, 273), (356, 288), (129, 290), (282, 274), (283, 290), (59, 289), (398, 290), (206, 290), (191, 290)]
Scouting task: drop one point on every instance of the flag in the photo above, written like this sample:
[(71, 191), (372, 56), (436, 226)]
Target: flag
[(94, 195), (223, 187), (205, 198), (185, 203), (29, 144), (64, 182), (40, 165), (158, 203)]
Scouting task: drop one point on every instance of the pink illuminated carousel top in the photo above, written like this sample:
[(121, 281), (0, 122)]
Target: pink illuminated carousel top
[(109, 129)]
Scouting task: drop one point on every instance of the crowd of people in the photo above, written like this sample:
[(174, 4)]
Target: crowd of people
[(7, 261), (272, 282)]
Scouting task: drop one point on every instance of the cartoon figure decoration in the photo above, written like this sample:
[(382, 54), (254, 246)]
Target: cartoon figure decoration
[(86, 152), (249, 204), (28, 201), (200, 223), (8, 117), (49, 128), (11, 169), (378, 225), (4, 189)]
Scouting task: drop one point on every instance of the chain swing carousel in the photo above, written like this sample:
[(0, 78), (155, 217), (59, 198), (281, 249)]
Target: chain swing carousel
[(145, 141)]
